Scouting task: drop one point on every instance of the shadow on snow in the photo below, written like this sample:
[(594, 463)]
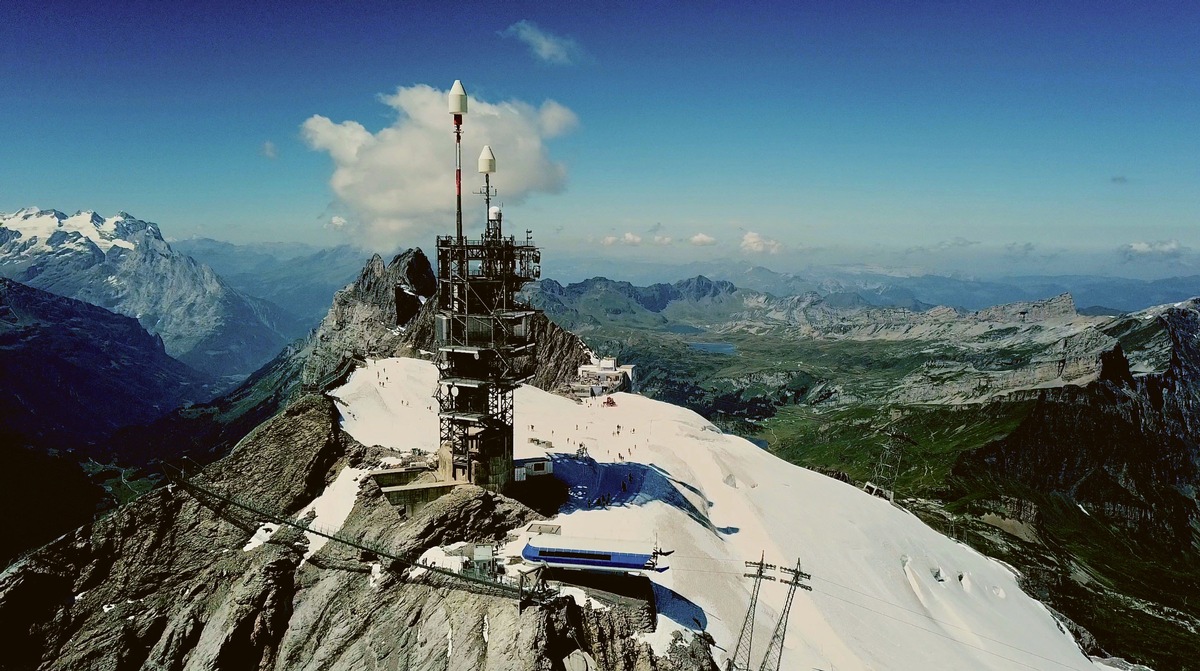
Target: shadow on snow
[(592, 484)]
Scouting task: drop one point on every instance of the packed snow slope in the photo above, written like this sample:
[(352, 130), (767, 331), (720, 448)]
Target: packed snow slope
[(888, 591)]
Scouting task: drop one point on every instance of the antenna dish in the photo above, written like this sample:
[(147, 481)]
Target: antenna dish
[(458, 98)]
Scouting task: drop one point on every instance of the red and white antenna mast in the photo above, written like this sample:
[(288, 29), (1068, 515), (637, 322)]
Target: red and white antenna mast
[(458, 107)]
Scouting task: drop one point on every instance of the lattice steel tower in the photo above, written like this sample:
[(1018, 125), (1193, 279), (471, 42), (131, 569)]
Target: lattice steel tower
[(483, 333)]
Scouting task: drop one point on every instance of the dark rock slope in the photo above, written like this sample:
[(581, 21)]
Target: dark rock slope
[(164, 582), (71, 373)]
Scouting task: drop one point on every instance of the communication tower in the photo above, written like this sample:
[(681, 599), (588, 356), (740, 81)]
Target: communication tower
[(483, 332)]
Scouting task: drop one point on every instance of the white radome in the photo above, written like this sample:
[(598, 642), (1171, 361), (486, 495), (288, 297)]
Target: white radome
[(487, 160), (458, 98)]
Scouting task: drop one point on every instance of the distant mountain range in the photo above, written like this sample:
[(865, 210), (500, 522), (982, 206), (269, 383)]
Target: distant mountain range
[(920, 291), (123, 264), (299, 278)]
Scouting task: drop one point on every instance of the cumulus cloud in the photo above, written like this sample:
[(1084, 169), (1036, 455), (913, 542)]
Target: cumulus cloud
[(756, 244), (702, 240), (337, 223), (399, 181), (544, 46), (1163, 250), (631, 239), (556, 120), (269, 150)]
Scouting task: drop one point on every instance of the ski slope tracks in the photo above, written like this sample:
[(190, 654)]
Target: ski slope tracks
[(888, 591)]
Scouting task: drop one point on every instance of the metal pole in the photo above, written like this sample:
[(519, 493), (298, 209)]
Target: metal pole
[(458, 177)]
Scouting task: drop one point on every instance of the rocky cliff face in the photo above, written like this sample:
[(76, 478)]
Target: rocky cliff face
[(167, 582), (1125, 446), (363, 320), (123, 264)]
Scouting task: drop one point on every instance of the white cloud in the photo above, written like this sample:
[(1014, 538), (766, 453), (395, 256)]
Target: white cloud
[(400, 180), (1163, 249), (702, 240), (556, 120), (269, 150), (544, 46), (662, 239), (337, 223), (631, 239), (754, 243)]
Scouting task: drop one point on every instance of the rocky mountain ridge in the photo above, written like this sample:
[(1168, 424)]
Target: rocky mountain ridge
[(918, 290), (164, 582), (123, 264), (71, 374), (1125, 445)]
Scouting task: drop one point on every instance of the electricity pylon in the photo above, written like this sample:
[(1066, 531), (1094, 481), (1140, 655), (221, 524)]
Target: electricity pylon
[(741, 652), (775, 647)]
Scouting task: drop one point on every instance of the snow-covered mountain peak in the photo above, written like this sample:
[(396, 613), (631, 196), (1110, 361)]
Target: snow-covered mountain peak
[(123, 264), (36, 231)]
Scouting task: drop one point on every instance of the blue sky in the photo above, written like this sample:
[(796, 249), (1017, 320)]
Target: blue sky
[(973, 137)]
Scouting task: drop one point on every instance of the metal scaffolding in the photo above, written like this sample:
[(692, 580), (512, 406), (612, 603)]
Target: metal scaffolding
[(483, 334)]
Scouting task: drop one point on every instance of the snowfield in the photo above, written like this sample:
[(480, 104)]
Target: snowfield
[(42, 224), (888, 591)]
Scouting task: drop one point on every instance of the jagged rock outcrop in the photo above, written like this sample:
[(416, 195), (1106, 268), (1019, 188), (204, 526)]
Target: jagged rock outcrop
[(165, 583), (363, 320), (123, 264)]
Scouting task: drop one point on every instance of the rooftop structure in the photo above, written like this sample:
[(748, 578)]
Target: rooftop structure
[(602, 377)]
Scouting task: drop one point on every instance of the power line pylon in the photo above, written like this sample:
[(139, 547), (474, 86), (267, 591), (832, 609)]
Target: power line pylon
[(887, 469), (741, 652), (775, 647)]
